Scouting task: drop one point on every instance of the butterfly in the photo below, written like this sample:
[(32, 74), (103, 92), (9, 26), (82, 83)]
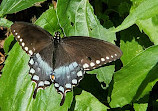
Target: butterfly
[(62, 61)]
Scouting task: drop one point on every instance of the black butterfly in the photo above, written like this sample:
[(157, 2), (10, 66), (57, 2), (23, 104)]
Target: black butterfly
[(61, 61)]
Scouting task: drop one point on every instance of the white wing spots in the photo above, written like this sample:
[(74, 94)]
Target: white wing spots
[(74, 81), (61, 89), (30, 52), (107, 57), (38, 55), (18, 36), (31, 61), (20, 40), (16, 33), (26, 48), (35, 77), (33, 48), (32, 71), (41, 83), (79, 73), (112, 56), (23, 44), (46, 82), (56, 85), (13, 30), (102, 59), (68, 86), (97, 61), (85, 65), (92, 64), (115, 54)]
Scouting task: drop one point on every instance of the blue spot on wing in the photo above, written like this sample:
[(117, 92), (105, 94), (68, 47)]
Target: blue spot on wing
[(65, 74)]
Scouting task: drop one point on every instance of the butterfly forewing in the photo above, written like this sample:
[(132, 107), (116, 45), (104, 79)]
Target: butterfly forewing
[(90, 52), (31, 37)]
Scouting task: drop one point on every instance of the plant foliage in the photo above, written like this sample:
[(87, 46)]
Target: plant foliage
[(129, 84)]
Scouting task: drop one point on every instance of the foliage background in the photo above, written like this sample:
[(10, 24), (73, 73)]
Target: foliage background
[(129, 84)]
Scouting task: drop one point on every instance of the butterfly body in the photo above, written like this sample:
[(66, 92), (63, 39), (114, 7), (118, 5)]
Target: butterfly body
[(62, 61)]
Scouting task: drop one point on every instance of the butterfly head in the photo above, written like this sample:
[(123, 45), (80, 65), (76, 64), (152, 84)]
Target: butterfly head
[(57, 36)]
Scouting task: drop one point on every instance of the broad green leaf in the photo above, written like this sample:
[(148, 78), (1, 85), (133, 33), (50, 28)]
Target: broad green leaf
[(87, 102), (7, 44), (13, 6), (104, 74), (140, 107), (5, 23), (79, 19), (48, 21), (136, 79), (130, 51), (150, 27), (146, 9), (132, 43)]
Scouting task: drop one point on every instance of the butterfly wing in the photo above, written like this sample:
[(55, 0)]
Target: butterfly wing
[(67, 71), (38, 44), (91, 53), (41, 67), (31, 37), (76, 54)]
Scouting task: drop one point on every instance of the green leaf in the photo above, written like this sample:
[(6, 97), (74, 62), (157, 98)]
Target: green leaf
[(79, 19), (7, 44), (13, 6), (140, 107), (14, 79), (150, 27), (5, 23), (104, 74), (136, 79), (48, 21), (87, 102), (146, 9), (132, 43)]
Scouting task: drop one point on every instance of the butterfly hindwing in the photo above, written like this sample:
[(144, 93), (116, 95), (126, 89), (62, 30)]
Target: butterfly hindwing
[(67, 71), (41, 67)]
